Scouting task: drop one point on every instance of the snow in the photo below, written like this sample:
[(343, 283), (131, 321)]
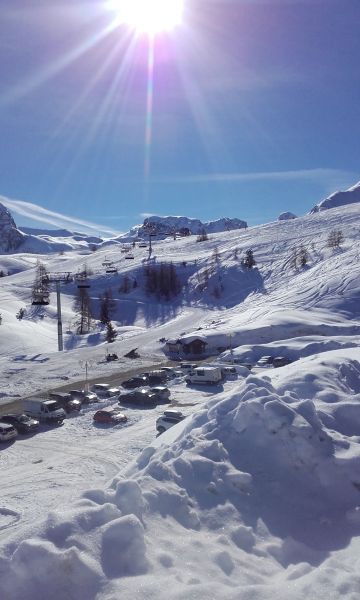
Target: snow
[(256, 493), (339, 199), (286, 216)]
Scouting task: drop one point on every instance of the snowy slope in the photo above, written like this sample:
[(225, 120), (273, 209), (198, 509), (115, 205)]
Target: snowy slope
[(254, 495)]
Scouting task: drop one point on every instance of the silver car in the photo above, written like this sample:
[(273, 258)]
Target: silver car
[(7, 432)]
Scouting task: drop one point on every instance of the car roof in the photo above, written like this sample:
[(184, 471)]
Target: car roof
[(172, 413)]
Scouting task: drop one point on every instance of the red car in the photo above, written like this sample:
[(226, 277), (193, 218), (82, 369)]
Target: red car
[(110, 416)]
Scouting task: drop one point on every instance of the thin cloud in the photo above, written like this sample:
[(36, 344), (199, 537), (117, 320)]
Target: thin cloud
[(43, 215), (323, 176)]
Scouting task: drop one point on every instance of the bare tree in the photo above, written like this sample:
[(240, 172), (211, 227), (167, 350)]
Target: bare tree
[(335, 238), (83, 309)]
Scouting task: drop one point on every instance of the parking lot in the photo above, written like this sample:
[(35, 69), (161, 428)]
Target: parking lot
[(51, 468)]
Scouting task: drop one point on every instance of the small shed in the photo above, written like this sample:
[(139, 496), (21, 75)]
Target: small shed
[(191, 346), (195, 346)]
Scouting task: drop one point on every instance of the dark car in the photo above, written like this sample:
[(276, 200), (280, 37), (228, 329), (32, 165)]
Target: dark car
[(109, 416), (280, 361), (138, 397), (22, 423), (83, 397), (135, 382), (66, 402), (162, 393), (156, 377)]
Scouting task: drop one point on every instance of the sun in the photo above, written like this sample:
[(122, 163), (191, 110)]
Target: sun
[(149, 16)]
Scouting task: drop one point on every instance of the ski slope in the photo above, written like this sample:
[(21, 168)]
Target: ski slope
[(255, 494)]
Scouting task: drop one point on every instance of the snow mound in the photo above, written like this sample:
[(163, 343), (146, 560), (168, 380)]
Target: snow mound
[(350, 196), (229, 488)]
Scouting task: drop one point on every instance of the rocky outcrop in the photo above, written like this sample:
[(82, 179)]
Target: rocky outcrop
[(10, 236), (286, 216)]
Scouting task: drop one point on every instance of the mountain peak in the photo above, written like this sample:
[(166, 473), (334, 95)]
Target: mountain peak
[(10, 236)]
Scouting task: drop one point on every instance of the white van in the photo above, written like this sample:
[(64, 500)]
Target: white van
[(205, 375), (46, 411)]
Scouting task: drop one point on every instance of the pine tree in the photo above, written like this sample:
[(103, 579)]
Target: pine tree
[(249, 261), (41, 283), (104, 311), (111, 333)]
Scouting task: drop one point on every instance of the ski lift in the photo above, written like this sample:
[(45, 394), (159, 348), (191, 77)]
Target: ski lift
[(130, 256), (110, 267), (106, 263), (40, 298), (142, 245)]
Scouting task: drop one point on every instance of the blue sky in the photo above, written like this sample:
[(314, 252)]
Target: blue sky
[(256, 110)]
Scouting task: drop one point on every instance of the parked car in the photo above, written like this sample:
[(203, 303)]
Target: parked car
[(135, 382), (139, 397), (161, 393), (205, 376), (187, 367), (229, 372), (281, 361), (265, 361), (22, 423), (84, 397), (110, 416), (66, 402), (168, 419), (46, 411), (104, 391), (170, 372), (7, 432), (155, 377)]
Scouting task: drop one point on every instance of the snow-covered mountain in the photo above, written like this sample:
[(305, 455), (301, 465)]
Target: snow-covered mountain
[(169, 225), (10, 236), (286, 216), (349, 196)]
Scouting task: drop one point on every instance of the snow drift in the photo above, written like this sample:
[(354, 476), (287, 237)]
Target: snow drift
[(252, 496)]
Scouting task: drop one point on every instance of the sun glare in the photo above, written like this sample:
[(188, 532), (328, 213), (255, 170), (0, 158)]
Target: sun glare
[(149, 16)]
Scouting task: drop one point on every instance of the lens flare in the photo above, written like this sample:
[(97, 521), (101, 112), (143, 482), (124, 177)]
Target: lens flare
[(149, 16)]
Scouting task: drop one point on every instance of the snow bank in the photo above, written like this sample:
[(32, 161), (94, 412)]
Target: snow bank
[(255, 497)]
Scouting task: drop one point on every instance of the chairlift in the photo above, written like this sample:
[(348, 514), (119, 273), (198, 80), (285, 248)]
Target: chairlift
[(142, 245), (111, 269), (130, 256), (40, 298)]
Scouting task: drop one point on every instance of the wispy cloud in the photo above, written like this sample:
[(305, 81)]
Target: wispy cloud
[(323, 176), (42, 215), (146, 215)]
